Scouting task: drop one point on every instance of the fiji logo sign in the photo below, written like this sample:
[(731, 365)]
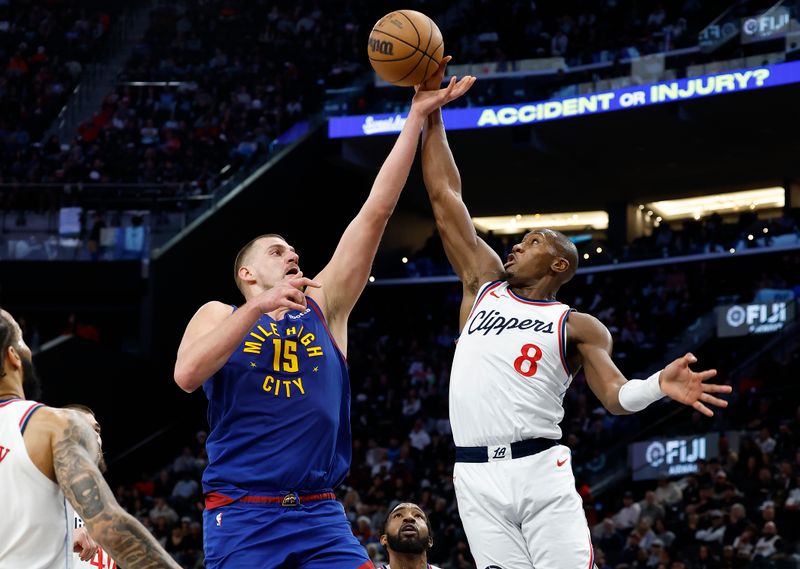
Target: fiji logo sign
[(674, 456), (761, 318)]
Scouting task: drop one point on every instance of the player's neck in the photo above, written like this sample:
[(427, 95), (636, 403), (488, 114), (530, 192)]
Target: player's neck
[(10, 391), (408, 561), (278, 314), (540, 290)]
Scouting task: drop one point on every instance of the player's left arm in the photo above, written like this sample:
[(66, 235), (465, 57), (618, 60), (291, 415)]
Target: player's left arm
[(74, 462), (344, 278), (622, 396)]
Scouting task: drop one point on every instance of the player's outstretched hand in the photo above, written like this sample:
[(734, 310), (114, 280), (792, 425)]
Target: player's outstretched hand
[(435, 81), (286, 294), (83, 544), (425, 102), (686, 386)]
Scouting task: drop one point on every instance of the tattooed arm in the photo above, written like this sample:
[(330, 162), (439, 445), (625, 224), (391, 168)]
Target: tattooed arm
[(75, 452)]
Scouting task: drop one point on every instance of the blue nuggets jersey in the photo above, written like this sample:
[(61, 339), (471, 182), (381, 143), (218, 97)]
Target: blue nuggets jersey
[(279, 411)]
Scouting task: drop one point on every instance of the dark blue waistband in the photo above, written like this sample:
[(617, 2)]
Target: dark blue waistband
[(499, 452)]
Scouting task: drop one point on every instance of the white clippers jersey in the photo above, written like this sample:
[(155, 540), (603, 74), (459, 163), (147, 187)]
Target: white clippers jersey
[(35, 530), (510, 371)]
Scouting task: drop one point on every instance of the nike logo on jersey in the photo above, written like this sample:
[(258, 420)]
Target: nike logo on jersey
[(492, 321), (562, 462), (494, 294), (4, 452)]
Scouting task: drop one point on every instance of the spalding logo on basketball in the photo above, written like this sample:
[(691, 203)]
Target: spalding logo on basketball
[(405, 47)]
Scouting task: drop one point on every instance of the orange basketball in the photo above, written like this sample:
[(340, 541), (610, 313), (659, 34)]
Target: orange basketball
[(405, 47)]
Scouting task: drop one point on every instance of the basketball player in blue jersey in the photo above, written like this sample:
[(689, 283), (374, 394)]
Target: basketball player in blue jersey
[(274, 373), (516, 356), (407, 538)]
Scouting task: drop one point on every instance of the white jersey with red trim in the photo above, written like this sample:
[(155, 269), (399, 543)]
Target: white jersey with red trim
[(510, 371), (35, 530), (101, 559)]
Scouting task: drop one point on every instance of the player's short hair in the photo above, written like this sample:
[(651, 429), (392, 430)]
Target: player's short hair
[(241, 256), (80, 407), (567, 249), (8, 335), (390, 512)]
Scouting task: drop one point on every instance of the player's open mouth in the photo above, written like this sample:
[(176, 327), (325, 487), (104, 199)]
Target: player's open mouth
[(293, 271), (510, 260), (409, 529)]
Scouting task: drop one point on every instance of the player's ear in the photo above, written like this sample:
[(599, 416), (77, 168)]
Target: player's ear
[(560, 265), (384, 541), (430, 541), (13, 357), (245, 275)]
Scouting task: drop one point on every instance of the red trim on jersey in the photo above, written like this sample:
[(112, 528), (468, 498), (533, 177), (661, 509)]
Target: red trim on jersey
[(29, 411), (524, 300), (4, 403), (481, 297), (366, 565), (315, 307), (591, 552), (562, 340), (217, 500), (280, 499)]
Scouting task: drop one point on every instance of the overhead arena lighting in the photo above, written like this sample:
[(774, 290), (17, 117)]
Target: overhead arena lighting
[(701, 206), (567, 221)]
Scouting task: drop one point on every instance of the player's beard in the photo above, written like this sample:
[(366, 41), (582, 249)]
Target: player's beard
[(400, 544), (31, 385), (101, 462)]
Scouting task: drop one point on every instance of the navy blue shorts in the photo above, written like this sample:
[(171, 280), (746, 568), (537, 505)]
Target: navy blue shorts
[(313, 535)]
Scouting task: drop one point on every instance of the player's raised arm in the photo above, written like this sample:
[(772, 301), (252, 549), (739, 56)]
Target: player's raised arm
[(621, 396), (75, 450), (472, 259), (345, 276)]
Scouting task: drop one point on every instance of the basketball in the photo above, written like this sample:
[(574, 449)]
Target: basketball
[(405, 48)]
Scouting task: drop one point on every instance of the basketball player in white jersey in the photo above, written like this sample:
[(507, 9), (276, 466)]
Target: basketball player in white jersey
[(407, 538), (87, 554), (518, 351), (48, 457)]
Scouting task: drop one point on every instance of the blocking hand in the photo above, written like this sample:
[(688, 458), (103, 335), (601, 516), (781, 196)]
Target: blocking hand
[(686, 386)]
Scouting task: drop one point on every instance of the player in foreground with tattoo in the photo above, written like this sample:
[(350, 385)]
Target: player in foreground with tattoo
[(49, 456)]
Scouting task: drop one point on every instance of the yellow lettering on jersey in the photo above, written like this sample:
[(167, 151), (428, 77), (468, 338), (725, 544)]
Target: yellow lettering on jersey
[(252, 347), (307, 339), (274, 328), (291, 331), (257, 337), (314, 351), (272, 385), (266, 334)]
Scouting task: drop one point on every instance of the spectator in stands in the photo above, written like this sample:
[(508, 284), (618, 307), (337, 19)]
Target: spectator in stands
[(715, 532), (162, 510), (769, 545), (650, 508), (736, 524), (628, 515), (668, 492)]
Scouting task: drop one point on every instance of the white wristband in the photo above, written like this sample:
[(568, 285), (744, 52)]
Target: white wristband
[(637, 394)]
